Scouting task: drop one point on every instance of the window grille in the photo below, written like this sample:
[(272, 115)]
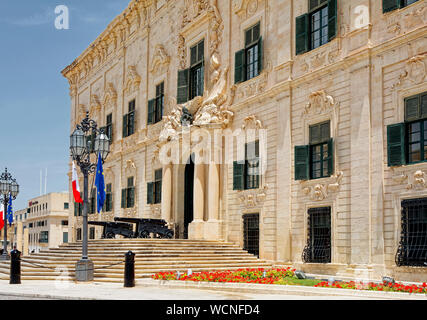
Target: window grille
[(412, 250), (318, 248), (251, 233)]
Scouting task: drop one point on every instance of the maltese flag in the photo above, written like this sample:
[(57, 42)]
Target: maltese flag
[(1, 216), (76, 188)]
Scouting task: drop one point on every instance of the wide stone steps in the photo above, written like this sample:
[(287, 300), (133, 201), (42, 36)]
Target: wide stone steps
[(152, 256)]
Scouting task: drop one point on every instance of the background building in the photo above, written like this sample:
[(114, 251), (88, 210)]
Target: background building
[(334, 93)]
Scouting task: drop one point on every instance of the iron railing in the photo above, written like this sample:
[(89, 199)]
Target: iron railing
[(318, 248)]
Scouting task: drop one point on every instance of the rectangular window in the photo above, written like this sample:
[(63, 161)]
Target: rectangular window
[(158, 186), (248, 62), (319, 27), (44, 237), (129, 120), (252, 174), (109, 127), (251, 233), (79, 234), (197, 70), (78, 208), (160, 98), (108, 204), (390, 5), (92, 202), (66, 206), (92, 233), (64, 222), (412, 250), (320, 155), (130, 194), (318, 248), (65, 237)]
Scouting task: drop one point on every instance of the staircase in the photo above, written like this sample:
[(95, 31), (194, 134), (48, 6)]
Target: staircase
[(152, 256)]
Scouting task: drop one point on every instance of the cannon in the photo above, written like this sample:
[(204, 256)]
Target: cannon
[(113, 228), (146, 226)]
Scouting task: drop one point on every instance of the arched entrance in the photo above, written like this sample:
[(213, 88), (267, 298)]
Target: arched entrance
[(188, 194)]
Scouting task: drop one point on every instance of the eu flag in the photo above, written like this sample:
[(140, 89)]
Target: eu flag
[(10, 211), (100, 185)]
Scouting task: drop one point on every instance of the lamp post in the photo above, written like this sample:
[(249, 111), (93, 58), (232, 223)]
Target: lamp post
[(87, 139), (8, 188)]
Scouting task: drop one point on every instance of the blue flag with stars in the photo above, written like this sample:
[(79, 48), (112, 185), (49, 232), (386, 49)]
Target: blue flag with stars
[(100, 185), (10, 211)]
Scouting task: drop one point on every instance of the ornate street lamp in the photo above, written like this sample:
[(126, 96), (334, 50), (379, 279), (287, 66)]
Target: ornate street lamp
[(8, 187), (86, 140)]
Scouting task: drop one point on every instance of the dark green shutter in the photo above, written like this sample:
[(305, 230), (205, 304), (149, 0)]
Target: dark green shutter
[(260, 55), (125, 126), (75, 208), (150, 112), (202, 78), (238, 176), (123, 198), (302, 160), (332, 19), (412, 109), (150, 192), (301, 34), (423, 105), (160, 191), (330, 157), (396, 144), (390, 5), (239, 66), (183, 86), (131, 195)]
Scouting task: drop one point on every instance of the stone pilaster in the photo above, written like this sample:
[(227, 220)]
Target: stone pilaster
[(167, 192), (212, 231), (196, 228)]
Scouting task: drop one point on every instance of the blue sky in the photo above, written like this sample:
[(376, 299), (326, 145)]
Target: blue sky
[(34, 97)]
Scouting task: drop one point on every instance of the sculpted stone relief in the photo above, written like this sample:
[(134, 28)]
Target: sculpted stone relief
[(110, 95), (245, 8), (415, 71), (253, 198), (160, 61), (252, 122), (320, 58), (415, 180), (133, 80), (319, 102), (406, 20), (320, 191)]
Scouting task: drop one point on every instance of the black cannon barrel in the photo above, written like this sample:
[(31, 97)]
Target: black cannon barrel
[(137, 220)]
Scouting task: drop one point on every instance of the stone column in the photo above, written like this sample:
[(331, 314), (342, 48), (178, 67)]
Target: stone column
[(25, 249), (167, 192), (196, 228), (19, 236), (213, 230)]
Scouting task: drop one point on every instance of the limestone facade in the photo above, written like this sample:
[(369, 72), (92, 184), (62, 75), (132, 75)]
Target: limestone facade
[(358, 81)]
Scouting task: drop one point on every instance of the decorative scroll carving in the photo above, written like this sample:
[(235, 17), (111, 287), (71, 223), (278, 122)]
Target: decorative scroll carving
[(253, 198), (252, 121), (81, 112), (415, 71), (245, 8), (250, 88), (321, 191), (95, 106), (319, 102), (192, 9), (110, 95), (318, 59), (413, 181), (160, 61), (182, 52), (132, 80)]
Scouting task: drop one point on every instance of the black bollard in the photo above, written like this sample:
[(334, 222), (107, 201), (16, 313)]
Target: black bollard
[(15, 267), (129, 269)]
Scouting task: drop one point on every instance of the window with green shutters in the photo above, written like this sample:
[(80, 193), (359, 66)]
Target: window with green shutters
[(154, 189), (79, 234), (92, 233), (407, 141), (108, 129), (317, 27), (108, 204), (390, 5), (155, 106), (315, 160), (246, 174), (191, 80), (128, 194), (78, 208), (248, 61), (92, 202), (129, 120)]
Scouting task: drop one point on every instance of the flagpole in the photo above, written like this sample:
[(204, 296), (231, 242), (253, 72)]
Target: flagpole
[(4, 255)]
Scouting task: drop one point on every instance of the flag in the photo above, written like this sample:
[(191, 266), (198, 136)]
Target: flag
[(1, 216), (76, 188), (10, 211), (100, 185)]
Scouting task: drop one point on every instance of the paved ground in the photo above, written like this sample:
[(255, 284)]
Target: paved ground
[(153, 290)]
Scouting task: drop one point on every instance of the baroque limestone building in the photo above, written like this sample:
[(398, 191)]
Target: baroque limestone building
[(291, 127)]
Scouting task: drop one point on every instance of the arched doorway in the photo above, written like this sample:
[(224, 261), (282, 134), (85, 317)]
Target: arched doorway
[(188, 194)]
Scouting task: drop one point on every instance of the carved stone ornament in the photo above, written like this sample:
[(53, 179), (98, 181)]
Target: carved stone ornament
[(110, 95), (192, 9), (319, 102), (156, 210), (413, 181), (252, 122), (318, 59), (95, 106), (245, 8), (81, 112), (133, 80), (321, 191), (160, 61), (415, 71), (253, 198)]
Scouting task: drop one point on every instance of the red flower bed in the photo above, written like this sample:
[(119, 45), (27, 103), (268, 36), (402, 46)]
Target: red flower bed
[(240, 275), (396, 287)]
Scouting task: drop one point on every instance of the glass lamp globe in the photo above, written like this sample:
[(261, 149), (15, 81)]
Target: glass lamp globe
[(4, 186), (14, 189), (77, 143), (102, 145)]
